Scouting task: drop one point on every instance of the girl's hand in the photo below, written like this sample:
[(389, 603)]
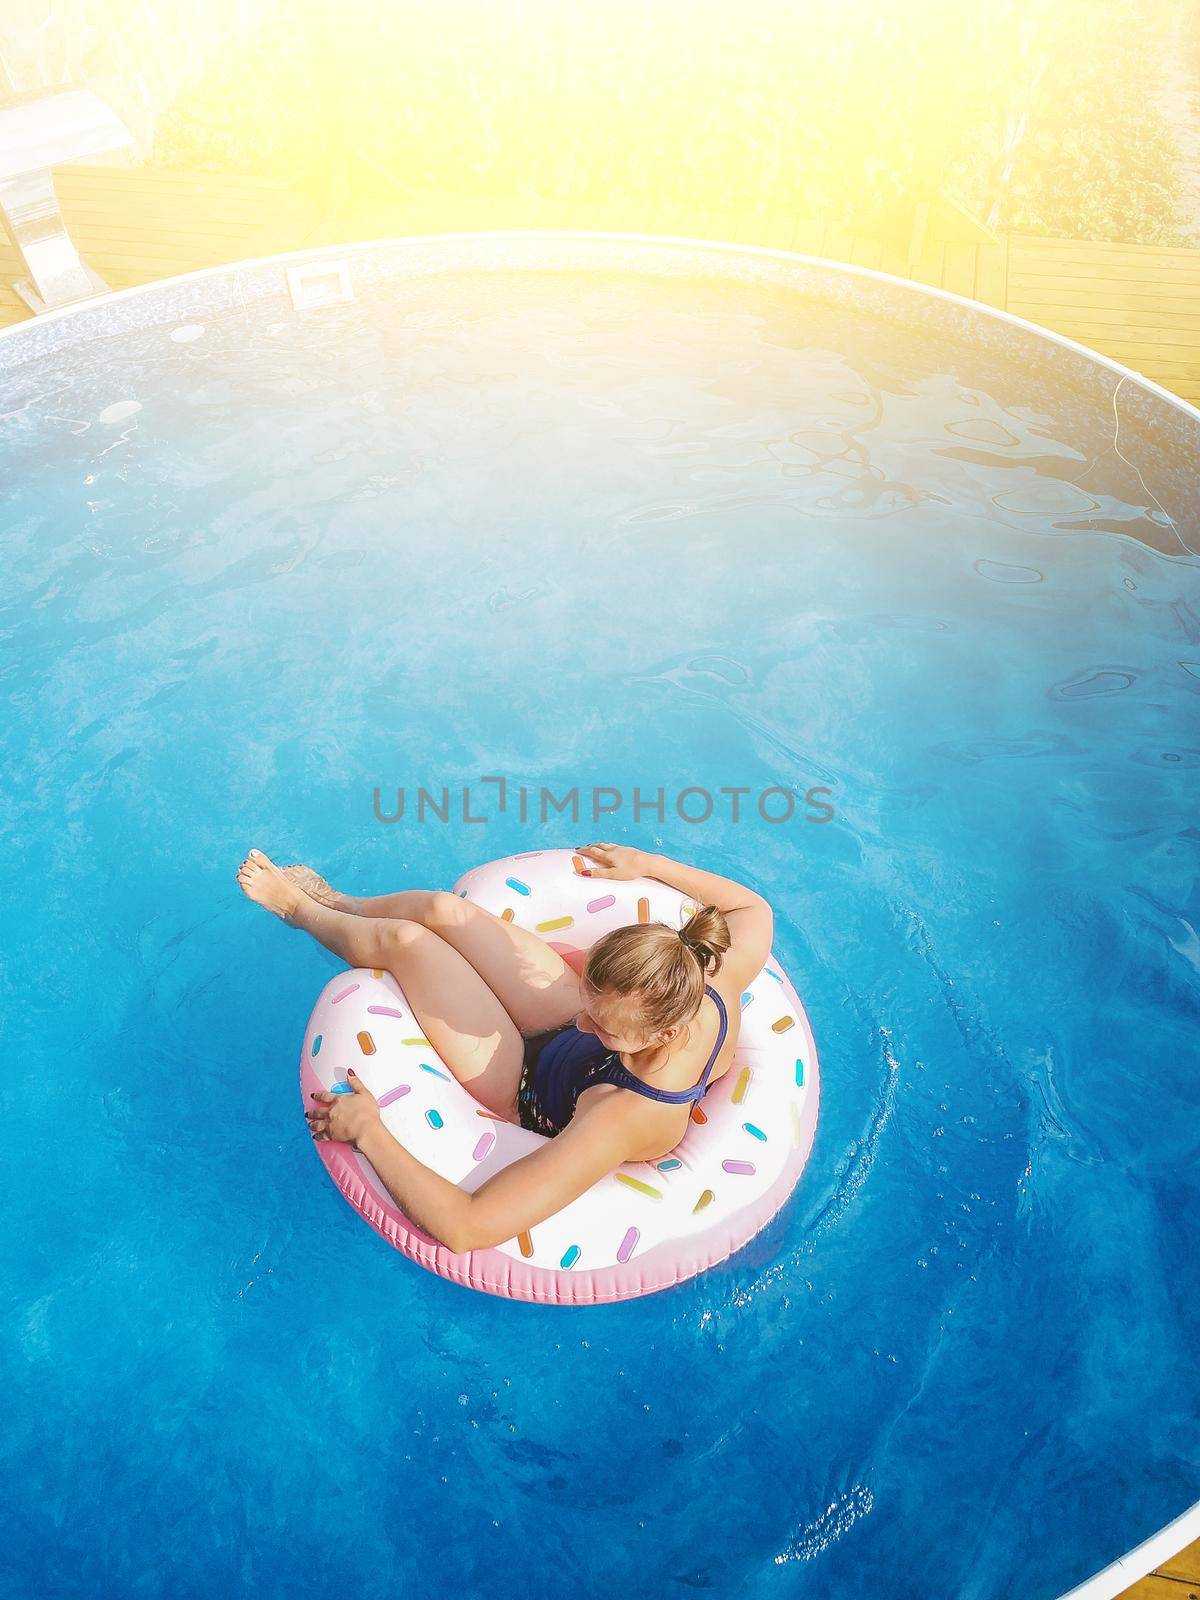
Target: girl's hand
[(619, 861), (344, 1116)]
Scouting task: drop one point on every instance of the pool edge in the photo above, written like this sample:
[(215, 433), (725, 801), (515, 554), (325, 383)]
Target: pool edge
[(720, 247), (1140, 1561)]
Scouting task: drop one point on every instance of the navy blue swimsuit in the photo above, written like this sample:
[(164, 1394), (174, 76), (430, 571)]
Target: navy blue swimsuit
[(560, 1063)]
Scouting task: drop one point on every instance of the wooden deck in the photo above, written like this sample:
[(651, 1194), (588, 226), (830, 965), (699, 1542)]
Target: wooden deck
[(1177, 1579), (1138, 304)]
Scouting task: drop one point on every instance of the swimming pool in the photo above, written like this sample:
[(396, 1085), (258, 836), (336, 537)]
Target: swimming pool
[(600, 514)]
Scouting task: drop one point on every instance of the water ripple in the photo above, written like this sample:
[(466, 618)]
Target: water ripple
[(1003, 572), (706, 680), (1094, 681), (1033, 745)]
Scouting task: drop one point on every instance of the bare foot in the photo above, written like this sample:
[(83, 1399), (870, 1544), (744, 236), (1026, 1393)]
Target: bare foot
[(262, 882), (315, 886)]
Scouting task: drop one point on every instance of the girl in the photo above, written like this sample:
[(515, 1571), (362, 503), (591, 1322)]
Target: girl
[(607, 1065)]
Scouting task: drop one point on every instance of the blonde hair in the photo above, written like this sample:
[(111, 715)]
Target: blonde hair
[(664, 969)]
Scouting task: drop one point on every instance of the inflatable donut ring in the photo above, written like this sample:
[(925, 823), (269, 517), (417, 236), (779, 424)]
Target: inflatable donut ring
[(643, 1227)]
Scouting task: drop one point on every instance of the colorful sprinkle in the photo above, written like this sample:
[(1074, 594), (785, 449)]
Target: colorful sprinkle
[(669, 1164), (698, 1114), (746, 999), (739, 1166), (393, 1095), (479, 1112), (778, 976), (571, 1257), (643, 909), (434, 1119), (366, 1044), (632, 1236), (706, 1199), (783, 1024), (799, 1074), (425, 1042), (316, 1049), (515, 883), (602, 904), (486, 1141), (636, 1183), (688, 909), (757, 1133), (425, 1067), (384, 1011), (340, 1088), (342, 995), (579, 863), (526, 1244), (743, 1083), (507, 914), (555, 922), (530, 855), (376, 972)]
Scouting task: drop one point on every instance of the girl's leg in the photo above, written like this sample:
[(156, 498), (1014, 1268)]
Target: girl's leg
[(318, 888), (534, 984), (458, 1013)]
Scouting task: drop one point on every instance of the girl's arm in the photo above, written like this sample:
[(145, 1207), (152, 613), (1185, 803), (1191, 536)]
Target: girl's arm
[(749, 917), (437, 1206), (593, 1144), (517, 1197), (705, 888)]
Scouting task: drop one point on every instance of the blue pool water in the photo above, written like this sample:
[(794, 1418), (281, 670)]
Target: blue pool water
[(592, 531)]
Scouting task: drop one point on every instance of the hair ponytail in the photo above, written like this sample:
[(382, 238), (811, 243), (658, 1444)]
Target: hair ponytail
[(706, 935)]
